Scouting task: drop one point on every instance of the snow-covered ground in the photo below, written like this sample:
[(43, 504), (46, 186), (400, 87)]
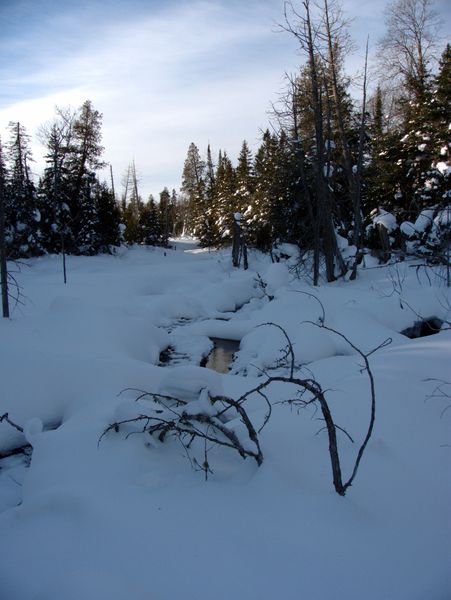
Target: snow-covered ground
[(130, 519)]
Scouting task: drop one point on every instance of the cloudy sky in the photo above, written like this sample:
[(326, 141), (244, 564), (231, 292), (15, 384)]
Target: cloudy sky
[(163, 73)]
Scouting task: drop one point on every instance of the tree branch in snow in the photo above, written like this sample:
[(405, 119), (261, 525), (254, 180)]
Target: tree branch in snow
[(5, 417), (214, 423), (172, 417), (317, 395), (442, 390)]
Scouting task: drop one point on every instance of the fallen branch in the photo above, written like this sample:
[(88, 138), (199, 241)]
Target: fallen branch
[(171, 417)]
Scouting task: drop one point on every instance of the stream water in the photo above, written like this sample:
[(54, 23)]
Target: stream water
[(221, 357)]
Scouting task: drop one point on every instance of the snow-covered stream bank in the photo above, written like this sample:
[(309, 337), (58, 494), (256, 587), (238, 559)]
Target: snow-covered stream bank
[(130, 518)]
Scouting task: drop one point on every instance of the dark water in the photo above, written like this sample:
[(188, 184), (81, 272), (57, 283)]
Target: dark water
[(221, 357), (423, 328)]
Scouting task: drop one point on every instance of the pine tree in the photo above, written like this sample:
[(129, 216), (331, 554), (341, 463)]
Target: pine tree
[(109, 218), (244, 178), (21, 211), (55, 217), (152, 233), (165, 216), (259, 215), (178, 214), (88, 239), (3, 250), (193, 186), (84, 159), (225, 197), (208, 231)]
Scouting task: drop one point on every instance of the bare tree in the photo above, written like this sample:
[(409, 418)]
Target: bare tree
[(408, 48), (320, 34)]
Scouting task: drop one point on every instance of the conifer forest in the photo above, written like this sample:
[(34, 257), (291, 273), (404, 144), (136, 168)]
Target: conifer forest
[(332, 169)]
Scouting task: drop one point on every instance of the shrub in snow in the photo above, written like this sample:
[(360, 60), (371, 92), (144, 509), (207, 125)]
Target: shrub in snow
[(196, 423)]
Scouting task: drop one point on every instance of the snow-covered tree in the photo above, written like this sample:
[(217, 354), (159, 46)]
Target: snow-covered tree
[(21, 211)]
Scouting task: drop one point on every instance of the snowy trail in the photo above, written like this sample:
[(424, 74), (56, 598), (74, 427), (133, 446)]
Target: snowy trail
[(126, 519)]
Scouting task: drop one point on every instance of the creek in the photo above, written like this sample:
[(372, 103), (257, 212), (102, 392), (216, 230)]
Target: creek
[(221, 356)]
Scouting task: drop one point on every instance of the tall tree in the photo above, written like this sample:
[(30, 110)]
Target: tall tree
[(132, 206), (22, 215), (193, 186), (409, 45), (3, 252), (165, 216), (316, 38), (225, 193), (84, 159), (244, 174), (108, 218), (152, 232)]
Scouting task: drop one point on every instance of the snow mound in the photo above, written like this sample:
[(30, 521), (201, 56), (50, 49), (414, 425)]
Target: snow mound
[(187, 382)]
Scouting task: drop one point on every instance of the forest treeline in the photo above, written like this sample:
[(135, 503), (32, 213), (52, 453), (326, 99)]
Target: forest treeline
[(330, 169)]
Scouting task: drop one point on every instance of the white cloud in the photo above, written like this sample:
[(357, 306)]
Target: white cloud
[(201, 72)]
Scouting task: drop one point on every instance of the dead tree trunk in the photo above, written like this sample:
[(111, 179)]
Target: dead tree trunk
[(239, 248), (385, 254), (358, 178)]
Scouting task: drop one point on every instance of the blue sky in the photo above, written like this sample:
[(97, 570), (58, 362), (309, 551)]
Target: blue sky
[(163, 74)]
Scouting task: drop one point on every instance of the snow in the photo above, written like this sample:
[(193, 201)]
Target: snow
[(386, 219), (130, 518), (408, 229), (186, 383), (424, 220), (443, 217), (444, 168)]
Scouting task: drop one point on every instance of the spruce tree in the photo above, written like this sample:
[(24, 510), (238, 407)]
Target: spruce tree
[(151, 230), (21, 211), (225, 197), (88, 239), (84, 159), (165, 216), (259, 216), (244, 180), (108, 218), (3, 250), (193, 186)]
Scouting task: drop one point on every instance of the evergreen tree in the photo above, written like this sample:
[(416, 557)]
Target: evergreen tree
[(244, 180), (109, 218), (55, 217), (84, 159), (208, 231), (259, 215), (193, 186), (165, 216), (88, 239), (177, 211), (3, 251), (150, 225), (225, 197), (21, 212)]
